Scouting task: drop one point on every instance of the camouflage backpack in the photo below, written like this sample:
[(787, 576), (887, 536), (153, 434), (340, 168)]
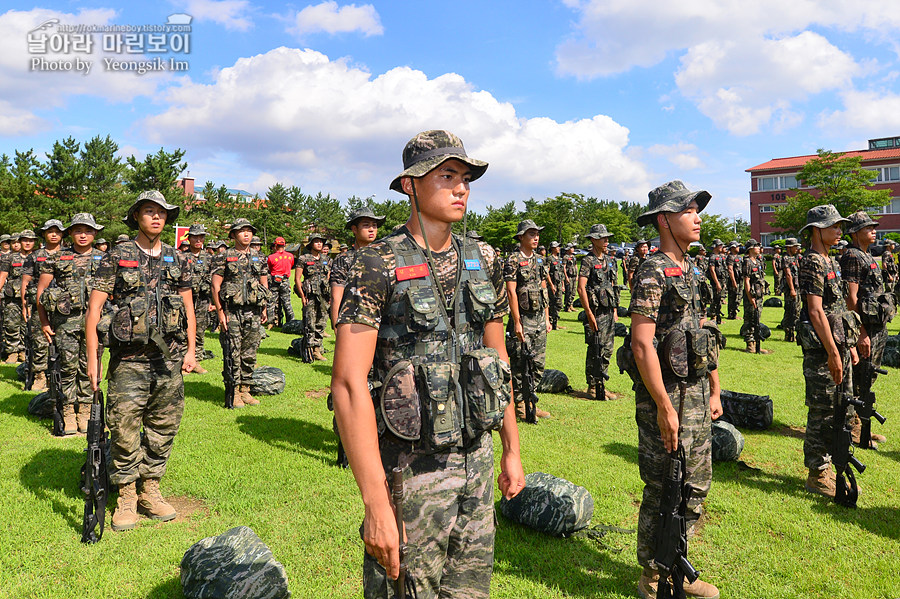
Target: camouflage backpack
[(551, 505), (744, 410)]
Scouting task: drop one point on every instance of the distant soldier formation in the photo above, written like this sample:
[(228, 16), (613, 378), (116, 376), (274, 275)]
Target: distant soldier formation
[(425, 367)]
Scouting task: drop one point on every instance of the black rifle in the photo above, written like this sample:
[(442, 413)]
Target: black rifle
[(405, 585), (29, 356), (865, 409), (595, 348), (306, 349), (528, 391), (54, 368), (94, 475), (227, 368), (757, 332), (846, 490), (671, 535)]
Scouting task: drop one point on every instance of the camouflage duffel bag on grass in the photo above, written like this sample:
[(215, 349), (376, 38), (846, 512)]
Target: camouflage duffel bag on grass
[(727, 442), (551, 505), (745, 410)]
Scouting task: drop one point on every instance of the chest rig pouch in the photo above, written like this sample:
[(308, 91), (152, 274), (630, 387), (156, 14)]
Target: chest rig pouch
[(528, 285), (600, 285), (434, 395), (876, 308), (241, 286)]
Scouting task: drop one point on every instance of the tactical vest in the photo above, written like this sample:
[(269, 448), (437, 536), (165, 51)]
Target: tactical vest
[(144, 315), (314, 275), (38, 258), (600, 285), (756, 274), (439, 387), (528, 283), (13, 286), (557, 269), (875, 307), (72, 285), (570, 263), (240, 279), (790, 264), (200, 283)]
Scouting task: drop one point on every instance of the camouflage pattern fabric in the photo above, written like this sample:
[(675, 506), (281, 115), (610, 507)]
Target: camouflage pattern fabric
[(340, 268), (281, 307), (733, 265), (550, 505), (13, 322), (535, 328), (149, 395), (778, 271), (790, 264), (243, 313), (554, 381), (527, 273), (600, 287), (744, 410), (267, 380), (557, 271), (727, 442), (752, 270), (201, 289), (449, 517), (717, 265), (317, 292), (33, 264), (245, 335), (570, 265)]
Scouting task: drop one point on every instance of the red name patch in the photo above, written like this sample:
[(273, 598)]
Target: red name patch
[(16, 264), (523, 263), (129, 263), (673, 271), (873, 266), (310, 263), (232, 259), (41, 258), (755, 269), (598, 266), (830, 275), (62, 258), (418, 271)]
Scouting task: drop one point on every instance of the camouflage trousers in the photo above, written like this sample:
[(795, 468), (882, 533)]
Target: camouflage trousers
[(245, 335), (596, 363), (791, 312), (571, 284), (535, 329), (448, 512), (778, 281), (751, 316), (69, 341), (148, 394), (695, 437), (40, 346), (281, 309), (715, 307), (202, 315), (878, 341), (315, 315), (820, 397), (557, 302), (732, 302), (13, 326)]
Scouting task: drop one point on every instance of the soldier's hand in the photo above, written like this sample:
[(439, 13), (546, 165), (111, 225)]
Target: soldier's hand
[(265, 316), (592, 322), (715, 405), (836, 367), (520, 332), (864, 346), (512, 476), (854, 356), (223, 322), (93, 372), (382, 539), (48, 333), (668, 428), (190, 362)]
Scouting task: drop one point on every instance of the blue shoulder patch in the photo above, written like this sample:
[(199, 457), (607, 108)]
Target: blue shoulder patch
[(254, 259), (473, 264), (97, 257), (168, 258), (697, 271), (540, 260)]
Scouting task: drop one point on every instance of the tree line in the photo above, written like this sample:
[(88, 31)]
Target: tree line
[(91, 176)]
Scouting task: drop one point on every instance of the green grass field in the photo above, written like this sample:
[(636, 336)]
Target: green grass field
[(270, 467)]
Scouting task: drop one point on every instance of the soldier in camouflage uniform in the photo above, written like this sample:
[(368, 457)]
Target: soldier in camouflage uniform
[(363, 223), (778, 269), (12, 268), (671, 411), (890, 270), (239, 291), (4, 244), (152, 342), (790, 286), (716, 274), (557, 280), (101, 245), (529, 319), (570, 261), (64, 287), (701, 262), (201, 288), (597, 291), (52, 232), (867, 296), (404, 287), (826, 363), (752, 284), (314, 291), (733, 266), (641, 248)]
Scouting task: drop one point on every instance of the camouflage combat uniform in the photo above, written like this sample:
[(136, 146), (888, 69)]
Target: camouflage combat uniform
[(13, 322), (448, 504), (528, 272), (570, 261), (146, 388), (33, 264), (201, 289), (717, 266), (873, 304), (733, 265), (557, 269), (778, 272), (601, 294), (663, 293), (752, 270), (634, 263), (820, 275), (66, 303), (317, 292), (790, 264), (701, 263), (890, 271), (242, 298)]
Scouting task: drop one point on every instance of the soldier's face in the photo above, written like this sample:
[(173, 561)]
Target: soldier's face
[(685, 225), (316, 245), (866, 236), (27, 245), (4, 246), (365, 230), (443, 192), (15, 246), (554, 251), (151, 218), (642, 250), (196, 242), (52, 236), (243, 237), (831, 235), (82, 236), (600, 245), (103, 247), (530, 239)]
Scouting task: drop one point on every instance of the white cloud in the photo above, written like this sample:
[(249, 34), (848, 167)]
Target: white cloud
[(231, 14), (330, 18), (295, 113), (875, 112), (26, 90), (682, 155), (744, 64)]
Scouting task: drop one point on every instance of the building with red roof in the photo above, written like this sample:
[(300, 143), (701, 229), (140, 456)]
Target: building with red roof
[(772, 182)]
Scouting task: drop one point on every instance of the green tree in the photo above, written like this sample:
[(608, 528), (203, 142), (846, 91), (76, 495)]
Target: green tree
[(499, 225), (62, 182), (835, 179), (716, 226), (103, 190), (20, 202), (157, 171)]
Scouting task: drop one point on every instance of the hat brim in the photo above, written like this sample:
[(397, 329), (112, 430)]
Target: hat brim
[(171, 212), (236, 229), (520, 233), (871, 223), (420, 169), (678, 203), (379, 220), (97, 228), (598, 235), (825, 224)]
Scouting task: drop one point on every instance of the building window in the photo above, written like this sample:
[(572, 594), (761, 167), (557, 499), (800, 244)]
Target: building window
[(887, 173), (892, 208), (767, 208), (887, 142), (773, 183)]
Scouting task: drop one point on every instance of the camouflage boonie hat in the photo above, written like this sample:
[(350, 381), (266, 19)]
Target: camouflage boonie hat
[(717, 242), (640, 242), (791, 242), (554, 244), (525, 225), (197, 229), (598, 232), (364, 212), (4, 237), (312, 237), (240, 223), (860, 220), (122, 238), (255, 241), (751, 243), (84, 218), (53, 222), (822, 217), (672, 197), (27, 234), (343, 246), (221, 244), (100, 241), (429, 149), (15, 236), (473, 234), (158, 199)]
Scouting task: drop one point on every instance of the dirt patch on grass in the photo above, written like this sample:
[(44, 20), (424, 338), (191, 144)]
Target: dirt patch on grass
[(318, 393), (797, 432), (187, 507)]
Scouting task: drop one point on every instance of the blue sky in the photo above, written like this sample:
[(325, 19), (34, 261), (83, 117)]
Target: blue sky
[(606, 98)]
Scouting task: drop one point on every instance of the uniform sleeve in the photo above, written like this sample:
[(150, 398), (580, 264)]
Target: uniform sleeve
[(217, 265), (812, 275), (585, 270), (186, 280), (510, 268), (105, 278), (340, 270), (853, 267), (649, 284), (495, 266), (47, 267), (4, 263), (367, 291)]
